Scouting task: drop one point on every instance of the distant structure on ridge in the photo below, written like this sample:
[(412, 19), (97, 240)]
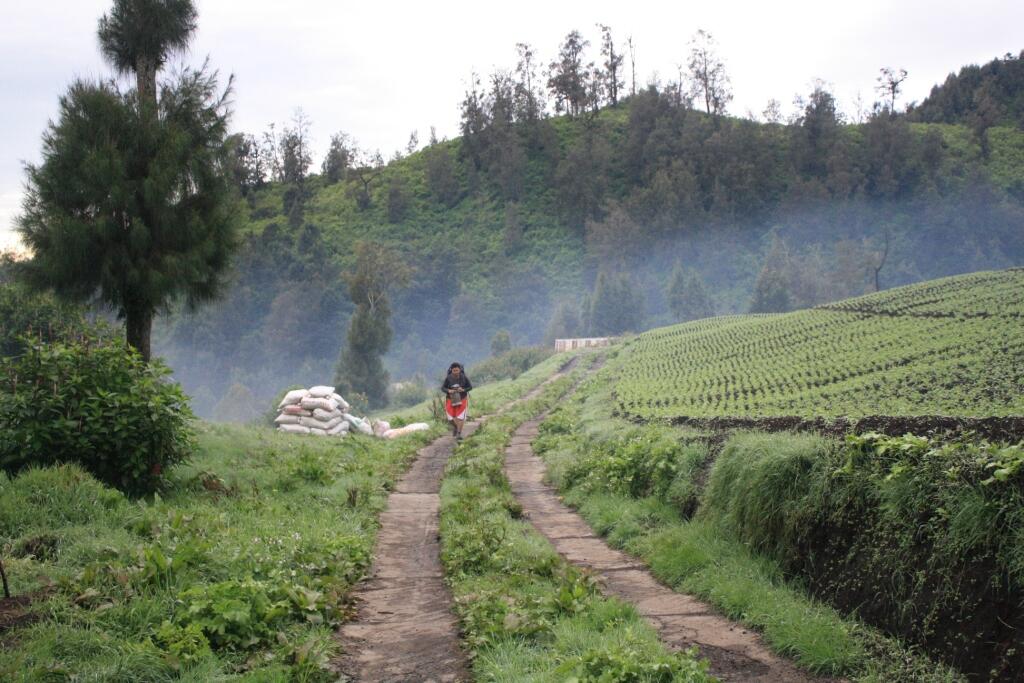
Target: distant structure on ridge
[(582, 343)]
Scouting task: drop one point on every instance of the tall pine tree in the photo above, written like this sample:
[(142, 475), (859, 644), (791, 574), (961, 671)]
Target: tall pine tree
[(564, 324), (616, 305), (687, 296), (132, 204), (772, 290), (360, 368)]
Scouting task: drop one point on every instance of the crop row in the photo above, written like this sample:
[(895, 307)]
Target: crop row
[(836, 362), (985, 294)]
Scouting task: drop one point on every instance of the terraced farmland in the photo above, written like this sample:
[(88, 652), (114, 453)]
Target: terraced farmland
[(953, 346)]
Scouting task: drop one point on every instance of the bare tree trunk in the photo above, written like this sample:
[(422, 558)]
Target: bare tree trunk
[(138, 330), (885, 255), (3, 576), (632, 64)]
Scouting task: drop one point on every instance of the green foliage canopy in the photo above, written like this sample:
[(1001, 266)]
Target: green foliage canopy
[(131, 210), (378, 271), (138, 36)]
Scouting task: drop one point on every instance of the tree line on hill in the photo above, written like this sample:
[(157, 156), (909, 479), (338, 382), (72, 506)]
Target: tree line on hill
[(588, 204), (660, 205)]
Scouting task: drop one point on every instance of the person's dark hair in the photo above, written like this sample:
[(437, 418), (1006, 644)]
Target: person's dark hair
[(456, 365)]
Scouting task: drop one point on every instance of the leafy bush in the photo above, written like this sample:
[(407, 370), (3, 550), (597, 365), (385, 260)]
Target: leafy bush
[(625, 664), (639, 463), (922, 537), (242, 613), (38, 316), (410, 393), (96, 403), (510, 364)]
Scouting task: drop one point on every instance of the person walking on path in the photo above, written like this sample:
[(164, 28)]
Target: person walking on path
[(456, 387)]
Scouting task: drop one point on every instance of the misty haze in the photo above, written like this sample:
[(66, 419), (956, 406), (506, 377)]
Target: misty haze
[(635, 365)]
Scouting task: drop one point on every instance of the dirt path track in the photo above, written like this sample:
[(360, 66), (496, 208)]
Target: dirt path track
[(405, 629), (735, 653)]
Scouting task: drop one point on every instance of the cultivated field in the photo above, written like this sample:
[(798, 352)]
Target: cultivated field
[(953, 346)]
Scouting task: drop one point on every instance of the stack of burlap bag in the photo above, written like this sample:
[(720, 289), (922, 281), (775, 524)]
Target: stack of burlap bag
[(322, 411), (318, 410)]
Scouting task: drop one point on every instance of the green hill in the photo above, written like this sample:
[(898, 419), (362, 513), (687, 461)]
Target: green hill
[(953, 346), (518, 216)]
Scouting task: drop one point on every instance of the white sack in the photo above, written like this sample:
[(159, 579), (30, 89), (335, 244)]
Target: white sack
[(285, 419), (326, 415), (314, 423), (342, 403), (341, 429), (407, 429), (318, 432), (296, 409), (293, 429), (332, 423), (359, 424), (311, 403), (380, 426), (292, 397), (320, 391)]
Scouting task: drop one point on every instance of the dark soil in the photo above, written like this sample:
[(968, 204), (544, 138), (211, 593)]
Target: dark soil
[(1000, 429), (978, 627), (17, 611)]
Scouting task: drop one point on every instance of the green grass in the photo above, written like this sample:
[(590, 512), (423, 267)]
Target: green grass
[(237, 570), (604, 468), (257, 515), (526, 614), (696, 558), (953, 346)]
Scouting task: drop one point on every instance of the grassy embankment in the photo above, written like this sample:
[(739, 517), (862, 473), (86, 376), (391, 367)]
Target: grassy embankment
[(639, 485), (527, 614), (802, 535), (239, 568)]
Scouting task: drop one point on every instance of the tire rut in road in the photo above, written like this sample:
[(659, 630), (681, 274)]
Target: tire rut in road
[(736, 653), (405, 628)]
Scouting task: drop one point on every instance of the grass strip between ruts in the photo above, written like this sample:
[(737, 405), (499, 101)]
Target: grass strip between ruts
[(526, 613)]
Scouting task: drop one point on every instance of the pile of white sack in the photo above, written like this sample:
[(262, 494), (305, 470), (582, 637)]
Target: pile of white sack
[(322, 411)]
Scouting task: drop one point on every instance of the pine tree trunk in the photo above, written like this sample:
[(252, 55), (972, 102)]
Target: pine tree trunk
[(139, 319), (138, 330), (145, 82)]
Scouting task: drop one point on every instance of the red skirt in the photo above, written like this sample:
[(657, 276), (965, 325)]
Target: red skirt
[(456, 412)]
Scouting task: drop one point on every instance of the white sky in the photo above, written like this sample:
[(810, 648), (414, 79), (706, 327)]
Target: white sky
[(379, 70)]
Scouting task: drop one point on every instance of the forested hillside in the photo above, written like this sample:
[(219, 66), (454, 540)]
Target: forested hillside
[(979, 96), (511, 225)]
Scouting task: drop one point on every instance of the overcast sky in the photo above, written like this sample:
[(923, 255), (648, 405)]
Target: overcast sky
[(379, 70)]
